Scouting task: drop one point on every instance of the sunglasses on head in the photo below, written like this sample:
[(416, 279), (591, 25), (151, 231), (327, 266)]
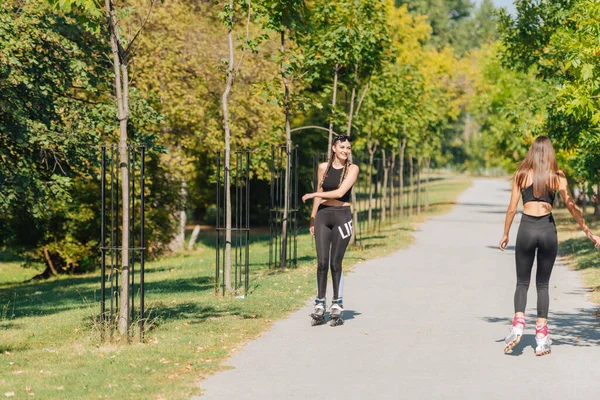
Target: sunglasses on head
[(342, 138)]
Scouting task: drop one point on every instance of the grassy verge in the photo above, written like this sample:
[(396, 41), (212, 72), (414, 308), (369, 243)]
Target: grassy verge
[(578, 251), (49, 341)]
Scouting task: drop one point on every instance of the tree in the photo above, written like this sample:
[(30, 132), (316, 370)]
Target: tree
[(285, 18), (231, 69), (51, 113), (558, 42), (120, 50), (446, 17)]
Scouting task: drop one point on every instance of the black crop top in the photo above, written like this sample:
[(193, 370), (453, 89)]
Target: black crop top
[(332, 182), (528, 195)]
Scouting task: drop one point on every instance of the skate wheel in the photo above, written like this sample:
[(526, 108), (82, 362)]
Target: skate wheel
[(512, 345)]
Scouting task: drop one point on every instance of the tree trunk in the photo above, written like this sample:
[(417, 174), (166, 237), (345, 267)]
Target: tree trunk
[(384, 201), (427, 164), (348, 133), (392, 199), (597, 209), (333, 104), (288, 151), (401, 199), (177, 244), (371, 149), (227, 163), (194, 237), (410, 185), (122, 94), (419, 163), (49, 262), (352, 99)]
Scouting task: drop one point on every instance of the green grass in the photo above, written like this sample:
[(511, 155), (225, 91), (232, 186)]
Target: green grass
[(578, 250), (50, 343)]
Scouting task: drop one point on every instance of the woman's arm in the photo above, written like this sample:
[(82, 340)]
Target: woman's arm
[(510, 214), (317, 200), (565, 193), (339, 192)]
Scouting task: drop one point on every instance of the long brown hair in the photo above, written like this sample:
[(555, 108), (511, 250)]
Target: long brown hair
[(339, 138), (541, 161)]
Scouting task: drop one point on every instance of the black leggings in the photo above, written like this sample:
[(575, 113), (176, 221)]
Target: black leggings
[(333, 228), (535, 233)]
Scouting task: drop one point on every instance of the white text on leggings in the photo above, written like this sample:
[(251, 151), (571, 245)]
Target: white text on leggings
[(348, 233)]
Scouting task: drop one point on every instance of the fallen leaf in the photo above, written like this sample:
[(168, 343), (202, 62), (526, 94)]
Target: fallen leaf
[(17, 372), (60, 388), (28, 388), (9, 394)]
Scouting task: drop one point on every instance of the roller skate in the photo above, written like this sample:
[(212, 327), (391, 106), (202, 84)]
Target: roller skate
[(336, 312), (542, 340), (318, 315), (514, 336)]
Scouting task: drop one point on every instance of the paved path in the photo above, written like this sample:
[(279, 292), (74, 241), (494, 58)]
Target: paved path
[(428, 323)]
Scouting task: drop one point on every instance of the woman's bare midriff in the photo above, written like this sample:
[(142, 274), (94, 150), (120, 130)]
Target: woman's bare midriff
[(334, 203), (537, 208)]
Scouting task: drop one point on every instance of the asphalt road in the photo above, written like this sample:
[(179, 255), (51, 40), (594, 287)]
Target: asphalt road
[(428, 322)]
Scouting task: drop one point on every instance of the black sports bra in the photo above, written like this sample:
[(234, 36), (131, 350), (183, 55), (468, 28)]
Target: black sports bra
[(528, 195), (332, 182)]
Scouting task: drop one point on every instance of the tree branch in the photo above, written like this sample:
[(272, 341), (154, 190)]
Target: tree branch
[(130, 46), (362, 97), (247, 38)]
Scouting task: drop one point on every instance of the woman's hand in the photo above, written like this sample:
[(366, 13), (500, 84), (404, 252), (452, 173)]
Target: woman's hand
[(594, 238), (307, 196), (503, 243), (312, 226)]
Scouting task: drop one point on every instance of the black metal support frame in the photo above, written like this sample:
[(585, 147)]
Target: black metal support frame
[(110, 241), (240, 221), (277, 202)]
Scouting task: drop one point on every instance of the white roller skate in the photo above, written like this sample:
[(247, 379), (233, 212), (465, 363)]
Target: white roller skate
[(318, 315), (542, 340), (336, 312), (516, 332)]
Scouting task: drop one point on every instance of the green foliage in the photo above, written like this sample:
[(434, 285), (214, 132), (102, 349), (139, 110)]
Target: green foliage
[(456, 23), (558, 42), (510, 109), (55, 111)]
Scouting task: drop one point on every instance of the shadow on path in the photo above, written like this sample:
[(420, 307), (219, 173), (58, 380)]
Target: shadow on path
[(568, 329), (348, 315)]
